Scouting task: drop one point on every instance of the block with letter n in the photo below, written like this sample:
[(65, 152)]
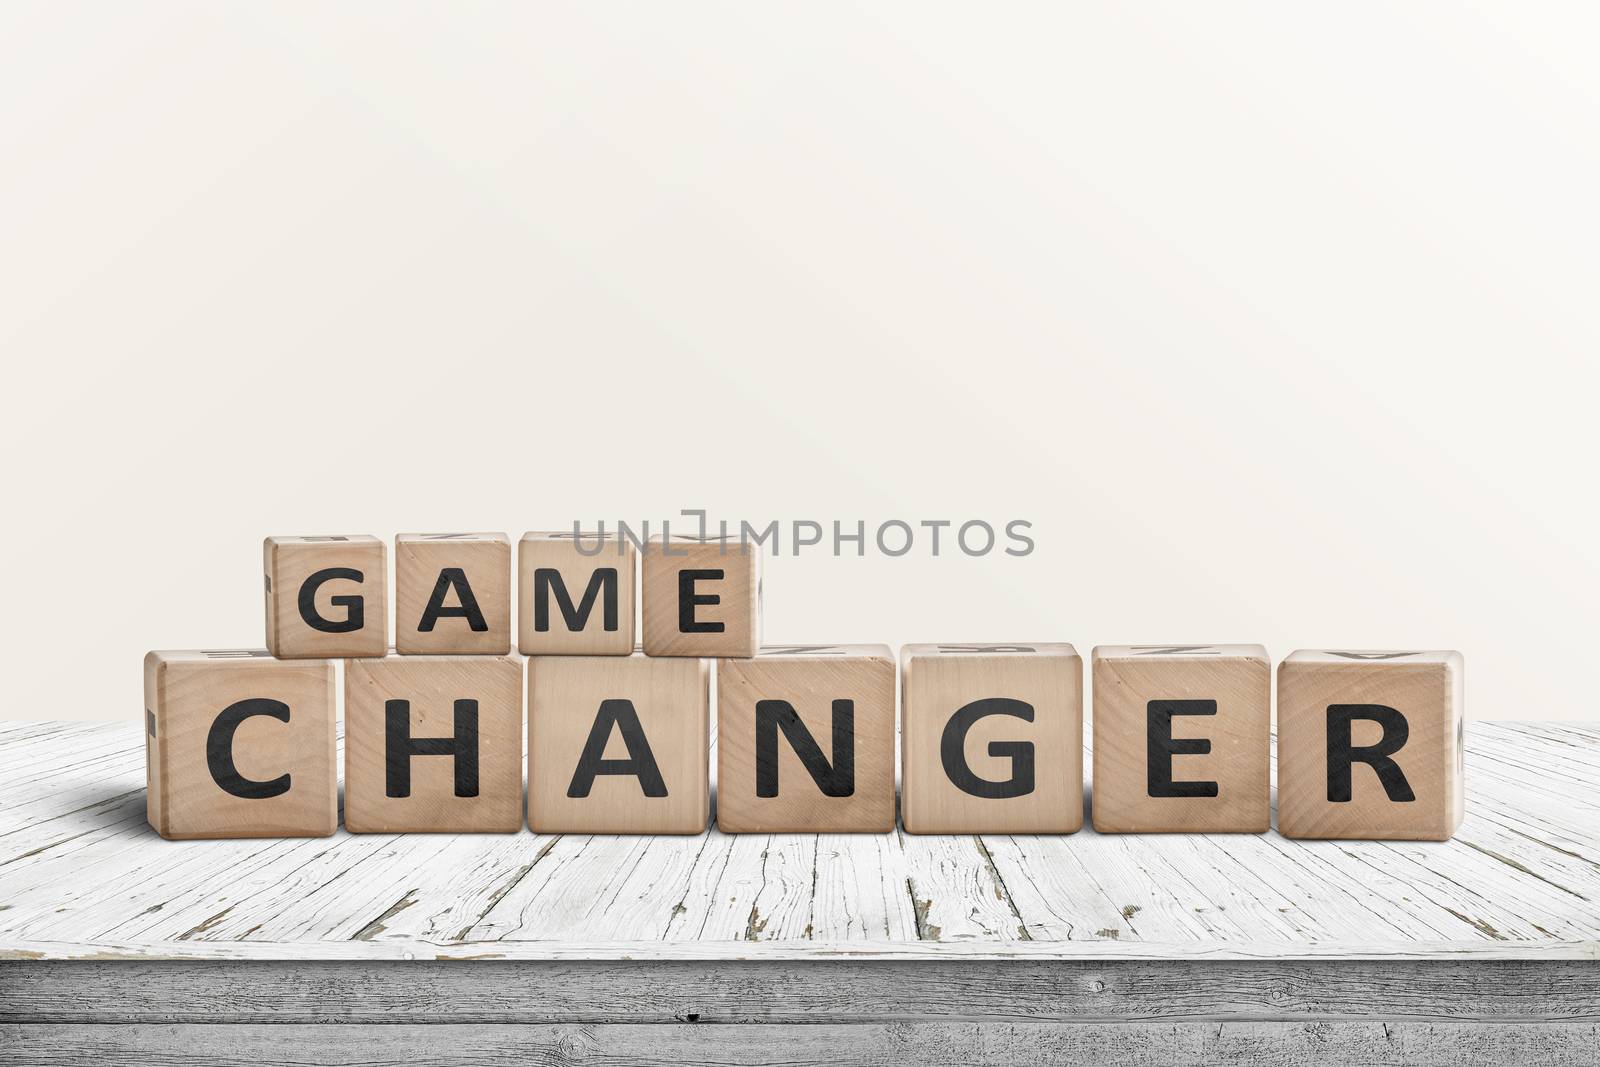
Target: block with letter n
[(805, 740)]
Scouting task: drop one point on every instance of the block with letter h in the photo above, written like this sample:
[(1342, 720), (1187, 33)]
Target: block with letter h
[(433, 743), (1370, 745), (991, 739), (238, 744), (574, 598), (1182, 737), (805, 740)]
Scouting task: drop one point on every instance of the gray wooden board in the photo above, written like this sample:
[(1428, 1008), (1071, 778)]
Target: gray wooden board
[(886, 948)]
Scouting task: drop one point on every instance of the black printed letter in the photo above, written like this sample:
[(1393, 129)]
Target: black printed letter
[(400, 746), (219, 749), (641, 762), (837, 780), (952, 750), (1161, 746), (1341, 753)]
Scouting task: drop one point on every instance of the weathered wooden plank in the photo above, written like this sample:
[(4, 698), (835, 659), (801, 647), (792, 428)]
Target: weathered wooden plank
[(783, 991), (408, 949), (1135, 1044)]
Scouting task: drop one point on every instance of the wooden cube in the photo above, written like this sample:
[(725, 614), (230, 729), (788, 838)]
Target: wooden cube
[(433, 743), (575, 598), (1182, 739), (238, 744), (991, 739), (618, 745), (452, 594), (805, 740), (1371, 745), (327, 596), (701, 598)]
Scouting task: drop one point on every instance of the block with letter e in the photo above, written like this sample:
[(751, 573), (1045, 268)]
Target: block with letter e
[(575, 595), (452, 594), (326, 596), (805, 740), (1182, 739), (433, 743), (618, 745), (701, 597), (238, 744), (1371, 745), (991, 739)]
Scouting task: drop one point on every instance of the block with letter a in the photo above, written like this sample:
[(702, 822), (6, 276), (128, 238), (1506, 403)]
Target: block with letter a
[(618, 745)]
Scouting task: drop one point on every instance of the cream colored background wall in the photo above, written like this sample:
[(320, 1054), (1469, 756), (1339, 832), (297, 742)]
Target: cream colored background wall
[(1278, 321)]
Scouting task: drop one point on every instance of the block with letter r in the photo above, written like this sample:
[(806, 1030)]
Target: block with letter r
[(1370, 745)]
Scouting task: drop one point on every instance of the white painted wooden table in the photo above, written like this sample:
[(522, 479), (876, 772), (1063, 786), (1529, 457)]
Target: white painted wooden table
[(118, 947)]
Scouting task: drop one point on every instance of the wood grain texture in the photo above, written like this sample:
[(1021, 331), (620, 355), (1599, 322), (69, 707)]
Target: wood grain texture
[(589, 704), (1133, 682), (436, 798), (282, 715), (790, 991), (344, 578), (82, 877), (701, 598), (1033, 753), (552, 566), (876, 1044), (1426, 690), (442, 571), (808, 680)]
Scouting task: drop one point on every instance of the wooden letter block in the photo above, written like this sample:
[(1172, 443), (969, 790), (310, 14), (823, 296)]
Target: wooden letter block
[(1182, 737), (991, 739), (433, 743), (571, 604), (702, 598), (618, 745), (238, 744), (1370, 745), (327, 596), (805, 740), (452, 594)]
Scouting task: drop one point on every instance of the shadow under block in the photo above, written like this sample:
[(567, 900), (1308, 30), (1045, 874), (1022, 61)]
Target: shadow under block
[(991, 739), (238, 744), (618, 745), (433, 743), (701, 598), (327, 596), (1182, 738), (805, 740), (1370, 745), (571, 604), (452, 594)]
